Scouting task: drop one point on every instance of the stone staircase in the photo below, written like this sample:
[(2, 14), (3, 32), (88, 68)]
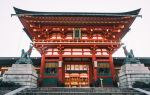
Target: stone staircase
[(79, 91)]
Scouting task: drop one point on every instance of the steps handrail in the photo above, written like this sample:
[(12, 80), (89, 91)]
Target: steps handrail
[(16, 90)]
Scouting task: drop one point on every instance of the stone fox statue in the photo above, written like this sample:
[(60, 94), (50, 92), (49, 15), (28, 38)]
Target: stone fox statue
[(128, 54), (25, 56)]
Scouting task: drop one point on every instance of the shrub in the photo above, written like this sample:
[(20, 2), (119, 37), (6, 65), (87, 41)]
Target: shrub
[(8, 84), (139, 84)]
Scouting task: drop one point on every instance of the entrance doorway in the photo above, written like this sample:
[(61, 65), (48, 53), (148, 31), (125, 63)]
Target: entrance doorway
[(76, 75)]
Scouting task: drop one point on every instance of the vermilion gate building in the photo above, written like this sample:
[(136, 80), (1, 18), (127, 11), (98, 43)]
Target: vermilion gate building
[(76, 48)]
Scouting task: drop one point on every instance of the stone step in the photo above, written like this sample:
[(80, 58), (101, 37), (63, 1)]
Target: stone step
[(76, 93), (79, 91)]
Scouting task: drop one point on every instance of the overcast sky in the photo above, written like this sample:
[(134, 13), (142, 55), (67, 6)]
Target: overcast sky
[(13, 38)]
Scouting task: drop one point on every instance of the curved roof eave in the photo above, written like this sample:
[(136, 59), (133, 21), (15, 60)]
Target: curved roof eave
[(20, 11)]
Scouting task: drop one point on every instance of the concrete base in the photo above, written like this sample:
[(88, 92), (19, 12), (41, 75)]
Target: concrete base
[(24, 74), (130, 73)]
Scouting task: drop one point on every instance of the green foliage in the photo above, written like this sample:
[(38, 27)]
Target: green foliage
[(8, 84), (139, 84)]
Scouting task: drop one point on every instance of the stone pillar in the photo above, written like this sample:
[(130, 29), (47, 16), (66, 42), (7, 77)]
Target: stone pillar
[(101, 82)]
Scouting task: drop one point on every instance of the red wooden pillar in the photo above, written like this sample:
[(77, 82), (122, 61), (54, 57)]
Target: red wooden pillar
[(90, 73), (94, 64), (42, 66), (112, 69), (95, 70), (60, 70)]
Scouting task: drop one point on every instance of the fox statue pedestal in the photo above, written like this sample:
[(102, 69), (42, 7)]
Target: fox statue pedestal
[(24, 74), (130, 73), (132, 70)]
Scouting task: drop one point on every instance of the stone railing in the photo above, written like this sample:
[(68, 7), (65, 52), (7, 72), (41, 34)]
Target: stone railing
[(16, 90)]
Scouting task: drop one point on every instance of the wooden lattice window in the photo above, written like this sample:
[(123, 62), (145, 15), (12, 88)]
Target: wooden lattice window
[(77, 33)]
